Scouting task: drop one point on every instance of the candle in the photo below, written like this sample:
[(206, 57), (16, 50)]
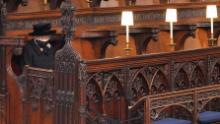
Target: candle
[(171, 32), (212, 29), (127, 34)]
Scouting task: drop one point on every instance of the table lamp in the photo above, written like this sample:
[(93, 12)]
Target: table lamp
[(211, 12), (171, 17), (127, 20)]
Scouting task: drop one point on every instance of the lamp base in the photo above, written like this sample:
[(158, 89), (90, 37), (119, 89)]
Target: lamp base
[(45, 7), (212, 42), (127, 51), (172, 46)]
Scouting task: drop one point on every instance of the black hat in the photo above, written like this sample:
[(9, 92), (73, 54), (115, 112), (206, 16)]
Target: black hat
[(42, 29)]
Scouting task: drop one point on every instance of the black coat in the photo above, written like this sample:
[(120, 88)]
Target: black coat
[(39, 54)]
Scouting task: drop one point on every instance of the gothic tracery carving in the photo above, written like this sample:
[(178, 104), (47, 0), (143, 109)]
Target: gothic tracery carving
[(159, 84), (93, 92), (139, 87), (113, 89), (181, 80), (40, 88), (215, 74), (197, 78)]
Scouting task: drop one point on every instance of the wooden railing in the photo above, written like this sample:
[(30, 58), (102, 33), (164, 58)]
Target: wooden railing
[(129, 79), (188, 103), (106, 88), (99, 89)]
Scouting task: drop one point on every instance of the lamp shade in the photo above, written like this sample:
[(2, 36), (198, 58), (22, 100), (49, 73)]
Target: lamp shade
[(211, 11), (127, 18), (171, 15)]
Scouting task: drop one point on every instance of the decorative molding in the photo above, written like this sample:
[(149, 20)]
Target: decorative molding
[(141, 16), (82, 18), (3, 21), (28, 23), (40, 88)]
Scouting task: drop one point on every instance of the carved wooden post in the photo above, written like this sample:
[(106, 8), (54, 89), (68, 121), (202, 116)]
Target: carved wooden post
[(3, 80), (3, 17), (2, 49), (3, 69), (67, 64)]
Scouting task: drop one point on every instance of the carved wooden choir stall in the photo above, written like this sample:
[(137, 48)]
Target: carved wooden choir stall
[(93, 82)]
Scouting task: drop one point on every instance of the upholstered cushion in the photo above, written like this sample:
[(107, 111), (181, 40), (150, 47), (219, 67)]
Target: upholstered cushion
[(172, 121), (209, 117)]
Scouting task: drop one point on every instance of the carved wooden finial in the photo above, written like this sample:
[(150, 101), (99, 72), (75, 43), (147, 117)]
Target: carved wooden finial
[(2, 17), (67, 20), (93, 3)]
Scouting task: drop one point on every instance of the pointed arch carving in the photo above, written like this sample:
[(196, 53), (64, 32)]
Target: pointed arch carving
[(210, 105), (159, 83), (94, 98), (181, 80), (176, 111), (93, 92), (215, 73), (139, 87), (197, 78), (114, 99), (113, 89)]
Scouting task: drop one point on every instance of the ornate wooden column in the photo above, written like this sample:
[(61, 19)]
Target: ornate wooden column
[(2, 49), (2, 69), (67, 62), (3, 88)]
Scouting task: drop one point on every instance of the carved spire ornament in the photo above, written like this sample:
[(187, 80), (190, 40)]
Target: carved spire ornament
[(67, 20), (67, 62), (94, 3), (3, 10), (3, 17)]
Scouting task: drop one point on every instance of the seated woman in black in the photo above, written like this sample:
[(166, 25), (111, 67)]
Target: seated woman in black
[(40, 51)]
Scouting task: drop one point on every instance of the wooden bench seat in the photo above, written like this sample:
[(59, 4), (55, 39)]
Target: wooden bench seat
[(209, 117), (172, 121)]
